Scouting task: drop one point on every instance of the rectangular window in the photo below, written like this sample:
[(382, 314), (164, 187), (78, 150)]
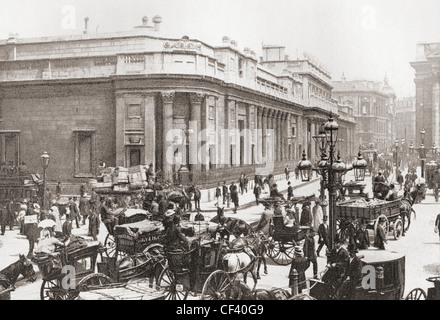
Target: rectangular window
[(134, 117), (84, 153), (10, 148)]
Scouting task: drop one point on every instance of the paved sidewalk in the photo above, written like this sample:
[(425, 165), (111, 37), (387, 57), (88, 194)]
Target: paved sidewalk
[(247, 200)]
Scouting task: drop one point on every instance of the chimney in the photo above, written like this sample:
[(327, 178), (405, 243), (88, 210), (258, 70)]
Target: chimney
[(86, 22), (157, 20)]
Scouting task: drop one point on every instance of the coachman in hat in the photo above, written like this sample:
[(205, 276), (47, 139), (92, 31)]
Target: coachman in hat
[(353, 276)]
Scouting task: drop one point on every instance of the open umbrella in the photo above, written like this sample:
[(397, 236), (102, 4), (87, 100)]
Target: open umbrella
[(47, 223)]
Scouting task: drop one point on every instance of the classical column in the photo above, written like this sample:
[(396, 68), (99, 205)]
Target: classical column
[(270, 138), (259, 135), (436, 111), (195, 144), (120, 132), (167, 153), (264, 126), (150, 128)]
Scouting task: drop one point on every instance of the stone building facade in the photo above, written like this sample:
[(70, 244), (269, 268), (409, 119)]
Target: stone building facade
[(373, 106), (406, 119), (134, 97), (427, 80)]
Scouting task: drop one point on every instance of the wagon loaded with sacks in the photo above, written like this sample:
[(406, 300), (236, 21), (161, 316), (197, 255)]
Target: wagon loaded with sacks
[(369, 212)]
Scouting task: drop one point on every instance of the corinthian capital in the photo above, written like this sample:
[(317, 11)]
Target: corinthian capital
[(196, 97), (168, 96)]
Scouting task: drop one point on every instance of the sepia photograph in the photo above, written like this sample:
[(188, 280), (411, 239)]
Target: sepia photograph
[(231, 150)]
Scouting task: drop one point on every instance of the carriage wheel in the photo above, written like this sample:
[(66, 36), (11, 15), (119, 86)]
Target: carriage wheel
[(281, 252), (341, 232), (110, 246), (398, 229), (96, 279), (416, 294), (51, 290), (155, 250), (173, 290), (386, 226), (218, 286)]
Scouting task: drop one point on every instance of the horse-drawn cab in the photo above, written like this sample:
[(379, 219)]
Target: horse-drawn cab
[(383, 275)]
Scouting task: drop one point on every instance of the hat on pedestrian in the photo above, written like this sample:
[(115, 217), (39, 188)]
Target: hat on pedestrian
[(299, 251), (325, 218), (36, 206), (169, 213), (54, 201), (352, 248)]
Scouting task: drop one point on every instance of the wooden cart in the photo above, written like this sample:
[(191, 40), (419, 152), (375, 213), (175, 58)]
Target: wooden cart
[(370, 212)]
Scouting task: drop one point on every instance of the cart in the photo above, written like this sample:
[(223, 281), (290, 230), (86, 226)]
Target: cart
[(370, 212), (137, 289), (389, 271), (83, 260), (125, 217), (420, 294)]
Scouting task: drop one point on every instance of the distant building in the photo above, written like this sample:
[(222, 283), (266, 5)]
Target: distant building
[(373, 106), (406, 119), (427, 80), (131, 98)]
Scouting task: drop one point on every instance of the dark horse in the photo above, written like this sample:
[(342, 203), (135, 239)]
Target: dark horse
[(231, 226), (9, 275)]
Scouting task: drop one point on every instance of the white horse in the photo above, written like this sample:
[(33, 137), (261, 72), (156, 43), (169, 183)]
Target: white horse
[(242, 262)]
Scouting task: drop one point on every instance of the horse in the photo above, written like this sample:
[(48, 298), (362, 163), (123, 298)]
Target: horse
[(9, 275), (243, 261), (257, 243), (231, 226)]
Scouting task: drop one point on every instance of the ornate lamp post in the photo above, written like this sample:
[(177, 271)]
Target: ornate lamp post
[(331, 170), (183, 173), (321, 141), (422, 152), (45, 162), (359, 166)]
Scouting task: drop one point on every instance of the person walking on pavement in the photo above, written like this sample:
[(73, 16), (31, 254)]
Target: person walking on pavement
[(437, 225), (3, 219), (296, 173), (226, 199), (400, 179), (322, 235), (11, 214), (197, 197), (257, 193), (287, 172), (317, 215), (94, 224), (84, 208), (246, 183), (309, 250), (289, 191), (218, 194), (31, 230), (74, 211), (234, 196), (380, 238), (241, 183), (58, 190), (300, 264), (351, 229)]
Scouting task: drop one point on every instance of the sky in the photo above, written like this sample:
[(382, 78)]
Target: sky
[(364, 39)]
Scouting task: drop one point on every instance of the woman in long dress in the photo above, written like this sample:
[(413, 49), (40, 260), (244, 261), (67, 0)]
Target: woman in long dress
[(56, 214)]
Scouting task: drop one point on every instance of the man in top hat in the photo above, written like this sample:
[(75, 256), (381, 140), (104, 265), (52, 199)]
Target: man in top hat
[(309, 250), (322, 235), (352, 231), (289, 191), (306, 218), (300, 264), (353, 276), (362, 237), (380, 237), (274, 193)]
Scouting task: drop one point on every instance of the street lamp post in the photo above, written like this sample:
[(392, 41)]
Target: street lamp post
[(45, 162), (332, 171), (321, 141), (422, 152)]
